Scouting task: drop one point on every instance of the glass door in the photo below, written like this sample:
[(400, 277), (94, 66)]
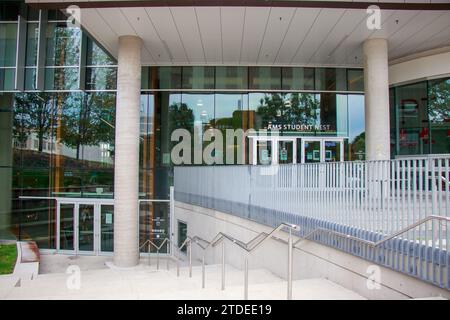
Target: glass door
[(311, 151), (286, 152), (106, 228), (66, 226), (333, 150), (86, 222), (85, 227)]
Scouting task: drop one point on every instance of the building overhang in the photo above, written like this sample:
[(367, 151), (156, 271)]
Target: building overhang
[(306, 33)]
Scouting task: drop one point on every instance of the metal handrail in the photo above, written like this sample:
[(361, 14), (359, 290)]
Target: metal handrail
[(249, 247), (379, 242), (262, 237)]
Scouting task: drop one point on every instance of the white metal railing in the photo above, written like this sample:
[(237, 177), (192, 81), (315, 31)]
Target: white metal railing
[(372, 198)]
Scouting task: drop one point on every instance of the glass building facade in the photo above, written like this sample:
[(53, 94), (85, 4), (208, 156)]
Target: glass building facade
[(57, 123)]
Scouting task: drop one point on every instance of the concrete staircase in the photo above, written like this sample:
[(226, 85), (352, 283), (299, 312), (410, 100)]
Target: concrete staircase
[(145, 282)]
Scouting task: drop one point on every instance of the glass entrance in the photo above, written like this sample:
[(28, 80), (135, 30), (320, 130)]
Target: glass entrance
[(85, 227), (322, 150)]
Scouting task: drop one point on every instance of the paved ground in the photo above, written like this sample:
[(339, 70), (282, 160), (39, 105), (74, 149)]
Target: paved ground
[(98, 281), (57, 263)]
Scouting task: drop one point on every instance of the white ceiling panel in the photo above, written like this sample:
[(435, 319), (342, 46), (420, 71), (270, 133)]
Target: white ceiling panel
[(101, 31), (351, 52), (232, 20), (254, 27), (321, 28), (411, 44), (277, 26), (186, 23), (168, 33), (264, 35), (117, 20), (337, 36), (209, 22), (298, 30), (152, 48)]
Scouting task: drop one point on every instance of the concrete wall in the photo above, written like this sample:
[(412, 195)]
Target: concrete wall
[(311, 261), (430, 64)]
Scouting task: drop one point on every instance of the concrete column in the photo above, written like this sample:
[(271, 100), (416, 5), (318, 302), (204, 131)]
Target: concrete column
[(376, 88), (126, 166)]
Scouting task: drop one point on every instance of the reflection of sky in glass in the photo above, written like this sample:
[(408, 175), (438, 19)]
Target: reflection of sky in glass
[(202, 106), (226, 104), (355, 115)]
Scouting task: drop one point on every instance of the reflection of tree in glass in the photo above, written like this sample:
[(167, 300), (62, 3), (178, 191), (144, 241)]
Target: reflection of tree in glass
[(181, 116), (439, 107), (358, 146), (33, 114), (87, 121), (288, 108)]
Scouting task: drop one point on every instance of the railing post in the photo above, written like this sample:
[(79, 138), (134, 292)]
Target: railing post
[(168, 255), (223, 265), (190, 259), (157, 259), (177, 261), (246, 278), (290, 265), (149, 253), (203, 270)]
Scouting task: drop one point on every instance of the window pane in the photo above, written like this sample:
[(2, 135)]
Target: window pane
[(331, 79), (101, 78), (439, 114), (8, 36), (169, 78), (298, 78), (9, 10), (63, 45), (356, 144), (355, 80), (231, 78), (412, 119), (61, 78), (265, 78), (7, 79), (30, 79), (198, 77), (96, 55), (31, 50)]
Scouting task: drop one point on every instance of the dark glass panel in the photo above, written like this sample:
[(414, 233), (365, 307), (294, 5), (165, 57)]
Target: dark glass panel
[(439, 115), (265, 78), (231, 78), (37, 222), (355, 80), (30, 79), (31, 47), (66, 226), (331, 79), (86, 227), (153, 224), (298, 78), (412, 119), (198, 78), (8, 44), (107, 228), (56, 15), (169, 78), (9, 10), (7, 79)]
